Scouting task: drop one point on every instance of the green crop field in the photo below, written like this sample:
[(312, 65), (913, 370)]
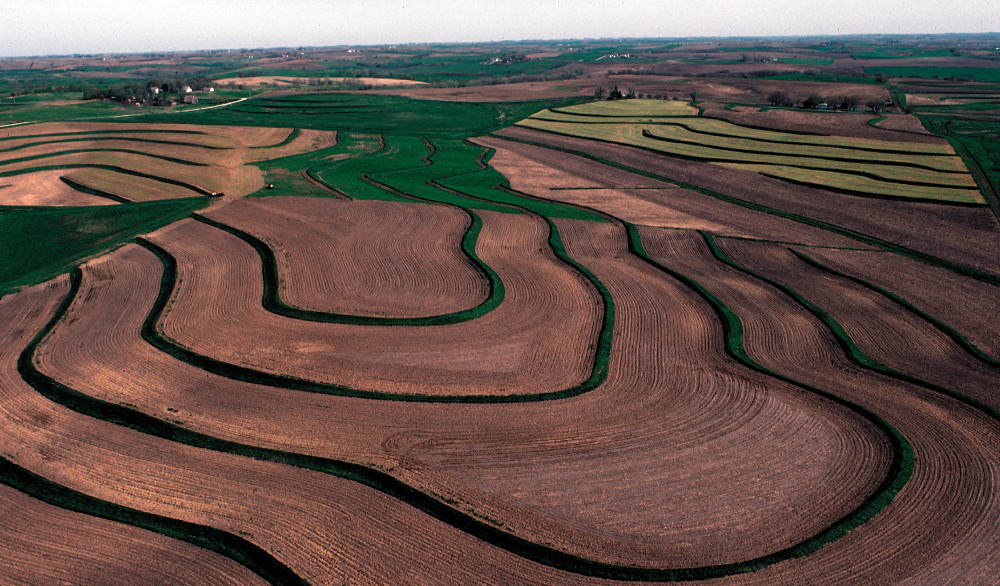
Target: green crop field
[(37, 244)]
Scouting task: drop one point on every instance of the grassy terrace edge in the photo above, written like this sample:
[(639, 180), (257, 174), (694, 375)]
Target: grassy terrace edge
[(120, 415), (272, 302), (851, 350), (151, 334), (234, 547)]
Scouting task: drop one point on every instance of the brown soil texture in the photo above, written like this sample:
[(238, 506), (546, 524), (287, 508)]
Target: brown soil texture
[(44, 189), (831, 123), (76, 548), (929, 534), (970, 307), (370, 258), (43, 544), (882, 329), (536, 340), (651, 435), (962, 235), (326, 529), (904, 123), (222, 167), (541, 172)]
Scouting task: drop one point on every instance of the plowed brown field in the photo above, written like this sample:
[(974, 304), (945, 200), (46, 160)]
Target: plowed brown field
[(328, 530), (537, 340), (969, 306), (881, 328), (44, 189), (511, 462), (369, 258), (962, 235), (949, 505)]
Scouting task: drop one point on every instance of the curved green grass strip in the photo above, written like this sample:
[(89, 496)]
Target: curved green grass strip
[(944, 328), (851, 350), (150, 333), (874, 121), (118, 138), (116, 169), (829, 227), (272, 299), (900, 469), (648, 134), (85, 132), (125, 151), (93, 191), (227, 544), (389, 485), (288, 139)]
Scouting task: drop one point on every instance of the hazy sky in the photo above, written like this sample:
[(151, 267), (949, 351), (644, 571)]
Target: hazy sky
[(36, 27)]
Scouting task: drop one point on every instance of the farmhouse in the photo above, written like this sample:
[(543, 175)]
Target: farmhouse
[(190, 99)]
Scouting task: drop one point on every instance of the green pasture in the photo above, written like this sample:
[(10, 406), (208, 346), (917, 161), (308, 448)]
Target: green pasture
[(38, 243), (365, 113)]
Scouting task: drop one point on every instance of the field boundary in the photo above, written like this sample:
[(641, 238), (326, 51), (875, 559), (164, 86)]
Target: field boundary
[(965, 271), (273, 303)]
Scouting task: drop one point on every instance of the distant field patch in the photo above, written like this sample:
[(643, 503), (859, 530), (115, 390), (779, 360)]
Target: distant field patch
[(990, 74), (284, 80), (857, 166)]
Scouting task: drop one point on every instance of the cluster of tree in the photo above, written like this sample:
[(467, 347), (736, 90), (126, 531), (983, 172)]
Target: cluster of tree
[(814, 101), (512, 58), (27, 87), (755, 58), (156, 92), (616, 94)]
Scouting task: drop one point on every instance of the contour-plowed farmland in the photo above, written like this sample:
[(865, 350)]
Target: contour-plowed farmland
[(500, 466), (540, 338), (154, 162), (427, 357), (950, 457), (955, 233), (364, 257)]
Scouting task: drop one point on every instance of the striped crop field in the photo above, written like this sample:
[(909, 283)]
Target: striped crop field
[(856, 166), (610, 343)]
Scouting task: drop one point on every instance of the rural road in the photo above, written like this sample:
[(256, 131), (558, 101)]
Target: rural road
[(136, 114)]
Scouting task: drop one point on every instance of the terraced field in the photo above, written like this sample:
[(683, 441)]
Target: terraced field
[(854, 166), (618, 342)]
